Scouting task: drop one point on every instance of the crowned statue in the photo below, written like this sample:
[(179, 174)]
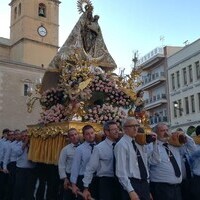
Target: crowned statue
[(85, 41), (79, 87)]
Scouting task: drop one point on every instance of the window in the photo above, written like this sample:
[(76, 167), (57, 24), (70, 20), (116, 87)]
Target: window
[(187, 105), (178, 79), (26, 89), (190, 73), (197, 70), (175, 110), (15, 13), (180, 107), (173, 81), (199, 100), (184, 76), (192, 103), (19, 9), (42, 10)]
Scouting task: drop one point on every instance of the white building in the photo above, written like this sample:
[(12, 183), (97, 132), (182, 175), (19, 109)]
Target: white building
[(154, 78), (184, 86)]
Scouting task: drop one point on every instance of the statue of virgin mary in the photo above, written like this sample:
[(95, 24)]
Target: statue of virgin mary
[(85, 41)]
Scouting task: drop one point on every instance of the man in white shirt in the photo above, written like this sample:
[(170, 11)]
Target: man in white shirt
[(103, 163), (81, 159), (166, 176), (131, 163), (65, 162)]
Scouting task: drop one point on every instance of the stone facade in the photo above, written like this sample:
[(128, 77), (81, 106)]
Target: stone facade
[(24, 58)]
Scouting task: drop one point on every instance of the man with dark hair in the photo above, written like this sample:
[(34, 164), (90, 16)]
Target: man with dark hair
[(9, 162), (103, 163), (81, 158), (5, 132), (25, 176), (4, 176), (65, 162)]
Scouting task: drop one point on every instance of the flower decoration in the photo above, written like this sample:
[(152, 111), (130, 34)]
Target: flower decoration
[(55, 114), (52, 97), (101, 114), (100, 96), (111, 94)]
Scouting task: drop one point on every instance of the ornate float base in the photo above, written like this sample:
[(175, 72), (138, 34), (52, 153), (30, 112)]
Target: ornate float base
[(47, 141)]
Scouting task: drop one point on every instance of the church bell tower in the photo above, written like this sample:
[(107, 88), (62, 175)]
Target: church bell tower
[(34, 31)]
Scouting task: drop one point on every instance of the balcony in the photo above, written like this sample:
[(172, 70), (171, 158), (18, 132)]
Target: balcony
[(155, 101), (156, 119), (152, 80), (151, 58)]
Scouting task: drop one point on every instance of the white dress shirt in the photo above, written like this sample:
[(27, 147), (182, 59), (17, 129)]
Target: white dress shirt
[(195, 161), (65, 160), (126, 161), (164, 172), (80, 160), (101, 162), (11, 153)]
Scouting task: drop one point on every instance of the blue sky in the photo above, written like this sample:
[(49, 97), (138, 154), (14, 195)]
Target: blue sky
[(129, 25)]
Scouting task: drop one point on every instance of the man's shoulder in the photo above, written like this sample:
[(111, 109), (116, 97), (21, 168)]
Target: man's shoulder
[(122, 142), (68, 146), (81, 146), (100, 144)]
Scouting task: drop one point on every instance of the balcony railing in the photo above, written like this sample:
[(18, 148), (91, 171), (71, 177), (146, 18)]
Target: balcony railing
[(157, 119), (152, 77), (155, 98), (155, 52)]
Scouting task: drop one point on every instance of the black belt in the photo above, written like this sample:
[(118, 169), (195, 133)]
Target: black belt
[(106, 177), (196, 176), (137, 179), (168, 184)]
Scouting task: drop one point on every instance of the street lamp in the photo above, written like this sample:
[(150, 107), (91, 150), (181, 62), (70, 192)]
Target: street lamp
[(177, 106)]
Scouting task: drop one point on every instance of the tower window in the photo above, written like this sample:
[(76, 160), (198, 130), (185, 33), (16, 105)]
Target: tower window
[(15, 13), (19, 9), (42, 10), (26, 89)]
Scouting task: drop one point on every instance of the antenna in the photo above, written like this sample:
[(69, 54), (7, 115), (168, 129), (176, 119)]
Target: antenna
[(162, 39), (186, 42)]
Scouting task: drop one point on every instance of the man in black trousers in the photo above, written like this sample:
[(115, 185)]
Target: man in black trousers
[(103, 163)]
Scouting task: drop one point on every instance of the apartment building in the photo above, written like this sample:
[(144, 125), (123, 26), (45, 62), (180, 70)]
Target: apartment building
[(184, 86), (154, 82)]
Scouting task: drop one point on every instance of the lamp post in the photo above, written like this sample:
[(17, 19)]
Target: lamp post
[(32, 99), (177, 106)]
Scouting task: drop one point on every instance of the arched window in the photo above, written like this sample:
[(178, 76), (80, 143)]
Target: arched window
[(15, 13), (19, 9), (26, 89), (42, 10)]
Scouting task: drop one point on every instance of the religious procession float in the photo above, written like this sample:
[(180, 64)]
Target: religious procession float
[(79, 88)]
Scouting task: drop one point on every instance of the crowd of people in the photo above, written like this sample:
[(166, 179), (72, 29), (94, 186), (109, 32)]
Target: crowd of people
[(116, 168)]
